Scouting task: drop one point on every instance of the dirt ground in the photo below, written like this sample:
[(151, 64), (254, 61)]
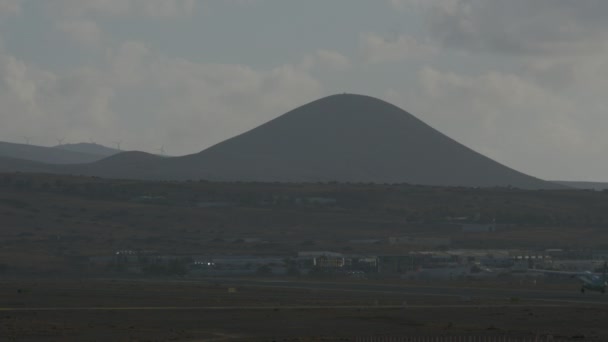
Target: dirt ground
[(128, 310)]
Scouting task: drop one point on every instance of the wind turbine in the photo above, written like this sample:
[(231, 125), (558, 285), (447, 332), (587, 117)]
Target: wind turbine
[(117, 143), (60, 141), (27, 139), (162, 150)]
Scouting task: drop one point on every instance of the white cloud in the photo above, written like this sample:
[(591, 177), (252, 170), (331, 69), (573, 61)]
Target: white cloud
[(164, 8), (403, 5), (377, 49), (143, 8), (10, 7), (79, 20), (328, 59), (512, 119), (43, 104), (84, 32), (147, 99), (333, 59), (544, 111), (516, 26)]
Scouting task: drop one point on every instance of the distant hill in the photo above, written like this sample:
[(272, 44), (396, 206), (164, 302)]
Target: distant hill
[(8, 164), (134, 165), (133, 157), (44, 154), (89, 148), (584, 185), (343, 138), (346, 138)]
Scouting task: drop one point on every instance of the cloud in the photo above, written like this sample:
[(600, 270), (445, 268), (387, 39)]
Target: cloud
[(43, 104), (403, 5), (327, 59), (10, 7), (376, 49), (525, 84), (164, 8), (146, 99), (79, 20), (522, 81), (517, 26), (84, 32), (140, 8), (332, 59), (512, 119)]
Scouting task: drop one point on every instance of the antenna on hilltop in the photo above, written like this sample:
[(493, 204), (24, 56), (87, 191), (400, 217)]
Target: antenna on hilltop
[(27, 139), (117, 143)]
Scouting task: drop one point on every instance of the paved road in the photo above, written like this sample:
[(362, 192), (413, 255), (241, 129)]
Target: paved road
[(526, 297), (273, 308), (546, 296)]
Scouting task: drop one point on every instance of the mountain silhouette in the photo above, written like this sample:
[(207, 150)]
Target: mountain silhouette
[(50, 155), (8, 164), (348, 138), (342, 138), (598, 186), (89, 148)]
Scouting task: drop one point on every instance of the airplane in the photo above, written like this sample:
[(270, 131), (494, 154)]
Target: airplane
[(591, 281)]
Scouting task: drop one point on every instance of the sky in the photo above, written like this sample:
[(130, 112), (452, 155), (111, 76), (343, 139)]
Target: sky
[(523, 82)]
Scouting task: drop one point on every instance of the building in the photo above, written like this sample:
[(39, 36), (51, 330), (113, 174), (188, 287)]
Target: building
[(324, 261), (429, 242), (313, 254), (395, 264)]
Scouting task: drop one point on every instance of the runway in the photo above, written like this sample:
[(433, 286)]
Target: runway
[(155, 308), (276, 308), (527, 295), (412, 297)]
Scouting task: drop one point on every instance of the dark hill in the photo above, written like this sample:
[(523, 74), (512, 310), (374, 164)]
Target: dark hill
[(344, 138), (347, 138), (599, 186), (128, 158), (44, 154), (89, 148), (8, 164), (134, 164)]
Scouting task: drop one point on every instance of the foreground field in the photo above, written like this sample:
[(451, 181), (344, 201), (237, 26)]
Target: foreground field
[(126, 310)]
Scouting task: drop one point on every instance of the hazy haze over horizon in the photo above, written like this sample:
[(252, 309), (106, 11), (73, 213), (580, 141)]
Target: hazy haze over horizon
[(521, 82)]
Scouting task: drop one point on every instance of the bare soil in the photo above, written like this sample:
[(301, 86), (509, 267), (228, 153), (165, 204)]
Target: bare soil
[(122, 310)]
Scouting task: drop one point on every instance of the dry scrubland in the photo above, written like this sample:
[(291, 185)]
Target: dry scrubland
[(53, 223)]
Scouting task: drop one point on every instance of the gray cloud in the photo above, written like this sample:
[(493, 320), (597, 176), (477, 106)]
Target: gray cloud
[(10, 7), (145, 8), (516, 26), (327, 58), (512, 119), (147, 99), (377, 49), (534, 100), (523, 81), (82, 31)]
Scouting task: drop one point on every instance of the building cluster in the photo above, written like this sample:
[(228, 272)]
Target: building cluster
[(447, 264)]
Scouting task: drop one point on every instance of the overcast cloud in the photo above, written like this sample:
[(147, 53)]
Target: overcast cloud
[(520, 81)]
